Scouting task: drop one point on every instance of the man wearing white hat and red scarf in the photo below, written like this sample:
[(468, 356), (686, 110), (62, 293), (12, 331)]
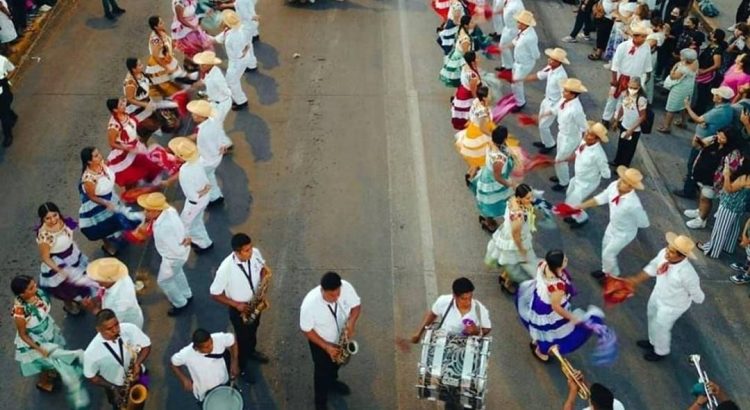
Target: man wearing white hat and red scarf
[(626, 216), (195, 186), (217, 90), (239, 49), (632, 59), (509, 9), (554, 73), (525, 53), (571, 124), (211, 140), (590, 167), (677, 287), (116, 292)]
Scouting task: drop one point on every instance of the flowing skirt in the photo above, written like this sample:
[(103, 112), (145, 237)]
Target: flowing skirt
[(450, 73), (193, 43), (30, 360), (472, 144), (460, 106), (491, 196), (97, 222)]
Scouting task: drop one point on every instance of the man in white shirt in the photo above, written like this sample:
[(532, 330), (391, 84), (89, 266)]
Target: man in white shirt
[(510, 29), (211, 140), (217, 90), (554, 73), (173, 245), (457, 313), (590, 167), (327, 310), (239, 49), (116, 292), (677, 287), (205, 360), (246, 10), (109, 355), (571, 124), (601, 398), (632, 59), (237, 280), (195, 186), (8, 117), (525, 53), (626, 216)]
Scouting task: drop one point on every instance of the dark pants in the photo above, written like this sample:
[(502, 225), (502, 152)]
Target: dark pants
[(626, 148), (690, 188), (8, 117), (603, 30), (326, 373), (109, 6), (246, 335), (703, 99), (583, 20), (17, 10)]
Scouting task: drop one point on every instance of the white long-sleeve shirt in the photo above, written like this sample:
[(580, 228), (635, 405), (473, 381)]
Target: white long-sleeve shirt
[(677, 285), (591, 164), (235, 42), (571, 119), (210, 140), (246, 10), (633, 65), (217, 89), (526, 47), (553, 76), (169, 232), (626, 213), (193, 179)]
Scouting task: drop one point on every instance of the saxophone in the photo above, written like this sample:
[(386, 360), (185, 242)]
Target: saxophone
[(132, 395), (259, 302), (348, 348)]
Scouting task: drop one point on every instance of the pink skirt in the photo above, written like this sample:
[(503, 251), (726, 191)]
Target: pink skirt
[(194, 43)]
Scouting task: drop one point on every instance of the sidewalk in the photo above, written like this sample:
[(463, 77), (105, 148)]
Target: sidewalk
[(725, 19)]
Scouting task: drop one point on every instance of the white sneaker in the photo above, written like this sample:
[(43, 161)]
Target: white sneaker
[(584, 37), (691, 213), (607, 66), (569, 39), (45, 8), (696, 223)]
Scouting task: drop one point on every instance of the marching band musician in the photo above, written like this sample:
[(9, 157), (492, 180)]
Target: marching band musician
[(721, 397), (205, 361), (237, 279), (458, 313), (239, 49), (326, 311), (677, 287), (601, 398), (195, 186), (116, 292), (108, 357)]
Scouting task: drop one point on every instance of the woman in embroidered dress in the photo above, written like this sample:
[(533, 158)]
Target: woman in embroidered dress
[(450, 73), (63, 265), (139, 106), (187, 33), (99, 201), (492, 185), (466, 91), (473, 142), (511, 246), (162, 67), (543, 305)]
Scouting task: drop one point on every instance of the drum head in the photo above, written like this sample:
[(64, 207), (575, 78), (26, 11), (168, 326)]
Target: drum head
[(223, 398)]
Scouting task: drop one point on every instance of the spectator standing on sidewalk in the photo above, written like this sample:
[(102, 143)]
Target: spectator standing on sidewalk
[(111, 9), (743, 268), (7, 29), (743, 12), (18, 14), (630, 115), (603, 27), (680, 83), (738, 75), (664, 59), (709, 62), (8, 117), (583, 21)]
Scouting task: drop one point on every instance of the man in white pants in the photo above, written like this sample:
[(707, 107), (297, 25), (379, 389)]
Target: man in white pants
[(239, 49), (626, 215), (210, 139), (497, 16), (173, 245), (677, 287), (195, 187), (590, 167), (571, 124), (217, 90), (554, 73), (510, 29), (525, 53), (632, 58)]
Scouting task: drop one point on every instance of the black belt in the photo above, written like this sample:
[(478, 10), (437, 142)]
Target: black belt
[(193, 202)]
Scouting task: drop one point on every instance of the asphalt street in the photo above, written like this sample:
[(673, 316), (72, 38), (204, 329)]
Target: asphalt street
[(345, 162)]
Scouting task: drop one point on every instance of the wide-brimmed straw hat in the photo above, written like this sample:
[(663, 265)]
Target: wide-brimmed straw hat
[(230, 18), (184, 148), (557, 54), (526, 17), (599, 130), (206, 57), (573, 85), (640, 29), (201, 107), (106, 270), (723, 92), (682, 244), (631, 176), (155, 201)]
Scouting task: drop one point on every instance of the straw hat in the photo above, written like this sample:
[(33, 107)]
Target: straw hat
[(526, 17), (599, 130), (573, 85), (631, 176), (206, 57), (230, 18), (184, 148), (106, 270), (723, 92), (201, 107), (557, 54), (155, 201), (640, 29), (681, 244)]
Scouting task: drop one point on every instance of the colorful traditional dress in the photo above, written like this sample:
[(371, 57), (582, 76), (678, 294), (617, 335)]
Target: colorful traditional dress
[(443, 7), (190, 41), (162, 66), (98, 222), (472, 143), (546, 327), (502, 250), (450, 74), (461, 102), (492, 196), (71, 283), (41, 327)]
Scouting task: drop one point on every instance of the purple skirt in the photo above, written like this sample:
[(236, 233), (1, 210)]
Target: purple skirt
[(67, 291)]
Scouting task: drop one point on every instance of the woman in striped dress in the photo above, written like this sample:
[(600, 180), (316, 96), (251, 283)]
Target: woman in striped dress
[(732, 201), (448, 30), (63, 265), (466, 91), (450, 73), (99, 201), (543, 305), (473, 142), (492, 186)]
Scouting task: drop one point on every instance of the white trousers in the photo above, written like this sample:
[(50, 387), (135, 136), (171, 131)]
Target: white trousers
[(520, 71), (566, 146), (613, 243), (497, 23), (223, 108), (192, 218), (610, 107), (235, 69), (545, 123), (660, 321), (173, 282), (251, 28), (506, 54), (577, 192), (215, 192)]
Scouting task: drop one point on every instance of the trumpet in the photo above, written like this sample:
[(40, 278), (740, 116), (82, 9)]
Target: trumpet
[(713, 402), (570, 372)]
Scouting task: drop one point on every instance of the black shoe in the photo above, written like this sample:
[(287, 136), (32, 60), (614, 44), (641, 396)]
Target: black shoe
[(501, 69), (653, 357), (554, 179), (256, 38), (606, 123), (109, 16), (612, 164), (251, 70), (597, 274), (200, 250), (569, 220), (7, 141), (559, 188), (217, 201), (239, 107), (538, 144), (118, 11), (341, 388), (249, 376), (174, 311), (645, 344), (258, 357), (518, 108), (578, 225), (680, 193), (547, 150)]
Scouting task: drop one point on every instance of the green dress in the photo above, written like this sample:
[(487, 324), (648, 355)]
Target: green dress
[(41, 327)]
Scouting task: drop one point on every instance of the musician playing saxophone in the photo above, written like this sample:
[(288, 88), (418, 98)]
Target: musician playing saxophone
[(109, 356), (326, 311)]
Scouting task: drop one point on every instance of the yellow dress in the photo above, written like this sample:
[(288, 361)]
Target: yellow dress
[(472, 143)]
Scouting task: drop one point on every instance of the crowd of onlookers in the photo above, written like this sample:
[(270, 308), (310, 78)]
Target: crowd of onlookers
[(15, 16)]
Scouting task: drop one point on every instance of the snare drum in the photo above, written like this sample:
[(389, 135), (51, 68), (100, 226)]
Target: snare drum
[(223, 398), (453, 368)]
